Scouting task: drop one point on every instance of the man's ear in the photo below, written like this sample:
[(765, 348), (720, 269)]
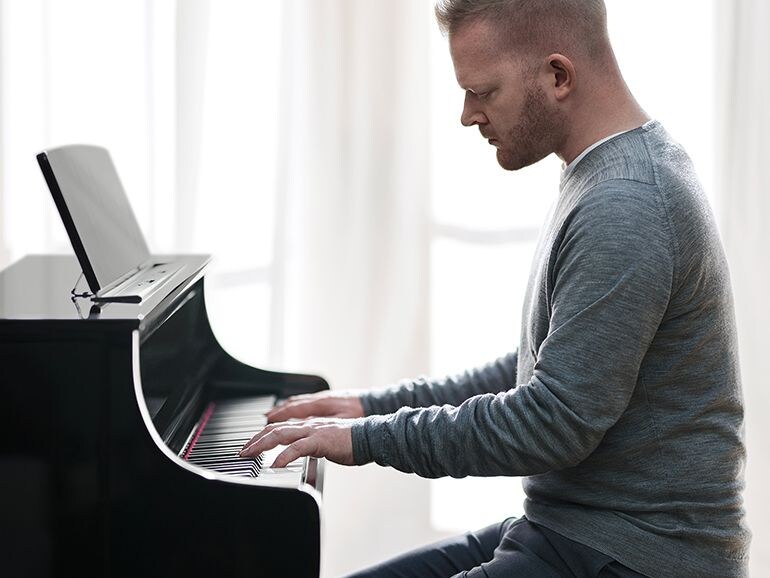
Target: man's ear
[(562, 76)]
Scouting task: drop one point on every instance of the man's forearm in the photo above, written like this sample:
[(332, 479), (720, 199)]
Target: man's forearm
[(494, 377)]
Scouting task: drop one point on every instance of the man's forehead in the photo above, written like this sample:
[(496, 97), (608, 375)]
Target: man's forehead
[(477, 38), (477, 50)]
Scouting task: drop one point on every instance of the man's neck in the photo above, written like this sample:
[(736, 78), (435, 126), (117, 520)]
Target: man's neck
[(596, 127)]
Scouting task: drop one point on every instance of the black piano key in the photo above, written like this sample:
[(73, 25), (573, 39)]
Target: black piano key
[(222, 440), (232, 445), (228, 451), (223, 459), (226, 426), (251, 472), (225, 464)]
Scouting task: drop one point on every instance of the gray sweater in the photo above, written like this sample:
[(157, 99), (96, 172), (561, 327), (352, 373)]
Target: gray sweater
[(622, 408)]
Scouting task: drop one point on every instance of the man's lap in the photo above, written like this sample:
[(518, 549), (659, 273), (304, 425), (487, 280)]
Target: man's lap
[(514, 547)]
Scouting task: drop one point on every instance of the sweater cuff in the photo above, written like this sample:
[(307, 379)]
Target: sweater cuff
[(367, 435), (380, 402), (367, 402), (361, 452)]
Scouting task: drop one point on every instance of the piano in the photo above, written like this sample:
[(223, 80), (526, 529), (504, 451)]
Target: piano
[(119, 431)]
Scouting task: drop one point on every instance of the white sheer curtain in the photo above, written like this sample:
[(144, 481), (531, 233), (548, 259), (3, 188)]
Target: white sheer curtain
[(94, 72), (354, 189), (353, 242), (744, 207)]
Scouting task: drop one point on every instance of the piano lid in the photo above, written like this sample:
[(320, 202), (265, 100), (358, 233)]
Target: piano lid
[(39, 287)]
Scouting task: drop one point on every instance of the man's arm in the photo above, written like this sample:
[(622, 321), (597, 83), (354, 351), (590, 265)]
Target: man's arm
[(496, 376), (611, 280), (611, 276)]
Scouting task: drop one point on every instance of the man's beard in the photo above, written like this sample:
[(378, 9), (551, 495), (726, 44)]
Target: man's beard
[(533, 137)]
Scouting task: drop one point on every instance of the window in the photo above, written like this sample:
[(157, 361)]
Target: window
[(235, 214), (59, 88), (175, 91)]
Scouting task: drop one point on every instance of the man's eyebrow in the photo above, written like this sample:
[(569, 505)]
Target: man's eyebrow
[(468, 86), (480, 88), (476, 85), (466, 82)]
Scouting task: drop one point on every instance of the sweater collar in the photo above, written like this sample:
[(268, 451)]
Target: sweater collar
[(568, 170)]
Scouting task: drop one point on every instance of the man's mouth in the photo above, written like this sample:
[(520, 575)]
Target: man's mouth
[(489, 138), (493, 141)]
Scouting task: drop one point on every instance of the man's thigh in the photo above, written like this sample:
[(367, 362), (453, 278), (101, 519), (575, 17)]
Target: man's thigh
[(528, 549), (512, 548)]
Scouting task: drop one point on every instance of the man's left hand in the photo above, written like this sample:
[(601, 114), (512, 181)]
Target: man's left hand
[(319, 438)]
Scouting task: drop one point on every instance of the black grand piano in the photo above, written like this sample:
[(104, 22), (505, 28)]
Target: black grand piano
[(119, 429)]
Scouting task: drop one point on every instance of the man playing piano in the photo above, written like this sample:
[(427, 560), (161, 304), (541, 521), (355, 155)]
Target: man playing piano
[(621, 408)]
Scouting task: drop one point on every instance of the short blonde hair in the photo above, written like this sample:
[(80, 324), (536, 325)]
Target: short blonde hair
[(540, 26)]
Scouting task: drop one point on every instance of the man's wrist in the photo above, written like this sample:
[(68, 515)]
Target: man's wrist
[(366, 404), (361, 449)]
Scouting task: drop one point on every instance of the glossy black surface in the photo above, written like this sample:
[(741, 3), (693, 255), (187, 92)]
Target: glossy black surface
[(88, 486)]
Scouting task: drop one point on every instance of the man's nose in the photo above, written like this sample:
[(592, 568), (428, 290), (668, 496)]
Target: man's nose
[(471, 113)]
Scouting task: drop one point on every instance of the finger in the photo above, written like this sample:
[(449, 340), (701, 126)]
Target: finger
[(267, 439), (299, 397), (280, 435), (304, 447), (261, 433), (280, 413), (297, 409), (256, 445)]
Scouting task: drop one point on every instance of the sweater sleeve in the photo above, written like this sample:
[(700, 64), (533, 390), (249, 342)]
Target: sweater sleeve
[(495, 376), (610, 273)]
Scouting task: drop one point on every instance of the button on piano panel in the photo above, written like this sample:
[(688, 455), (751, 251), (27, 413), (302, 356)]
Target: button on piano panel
[(224, 428)]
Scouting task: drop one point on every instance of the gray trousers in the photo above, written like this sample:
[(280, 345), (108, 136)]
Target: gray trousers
[(513, 548)]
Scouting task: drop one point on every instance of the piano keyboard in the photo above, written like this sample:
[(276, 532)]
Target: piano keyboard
[(221, 432)]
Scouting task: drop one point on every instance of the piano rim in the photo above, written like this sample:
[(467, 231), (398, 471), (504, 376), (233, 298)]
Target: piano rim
[(314, 466)]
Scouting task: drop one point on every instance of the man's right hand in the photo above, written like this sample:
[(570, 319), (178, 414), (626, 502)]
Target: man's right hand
[(321, 404)]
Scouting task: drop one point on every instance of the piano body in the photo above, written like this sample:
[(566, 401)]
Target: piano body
[(119, 430)]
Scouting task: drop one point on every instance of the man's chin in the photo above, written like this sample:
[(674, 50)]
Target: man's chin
[(514, 163), (509, 162)]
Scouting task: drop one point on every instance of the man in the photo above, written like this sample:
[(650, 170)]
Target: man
[(622, 407)]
